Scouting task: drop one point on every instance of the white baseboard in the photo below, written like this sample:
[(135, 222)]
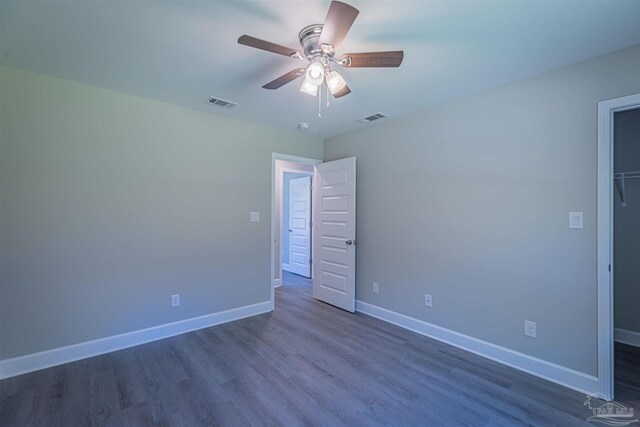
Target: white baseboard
[(277, 283), (626, 336), (564, 376), (58, 356), (286, 267)]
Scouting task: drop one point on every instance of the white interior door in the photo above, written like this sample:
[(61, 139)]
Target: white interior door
[(334, 214), (299, 226)]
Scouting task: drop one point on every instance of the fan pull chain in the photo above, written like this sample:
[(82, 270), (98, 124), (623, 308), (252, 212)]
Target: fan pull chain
[(320, 103), (327, 95)]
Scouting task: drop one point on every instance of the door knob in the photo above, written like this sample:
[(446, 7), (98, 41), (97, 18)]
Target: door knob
[(349, 242)]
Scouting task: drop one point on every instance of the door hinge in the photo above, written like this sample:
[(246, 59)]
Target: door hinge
[(310, 224), (310, 261), (609, 268)]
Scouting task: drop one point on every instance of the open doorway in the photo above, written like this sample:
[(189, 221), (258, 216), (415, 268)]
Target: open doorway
[(293, 249), (332, 227), (619, 249)]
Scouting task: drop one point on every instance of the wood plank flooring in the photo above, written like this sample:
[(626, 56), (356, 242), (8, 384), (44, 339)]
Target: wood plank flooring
[(627, 375), (307, 363)]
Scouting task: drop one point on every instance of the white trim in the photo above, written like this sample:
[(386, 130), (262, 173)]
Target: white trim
[(289, 158), (558, 374), (606, 109), (286, 267), (58, 356), (277, 283), (628, 337)]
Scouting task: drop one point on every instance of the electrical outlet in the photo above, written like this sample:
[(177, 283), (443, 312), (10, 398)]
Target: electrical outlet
[(530, 328), (175, 300), (376, 288), (428, 300)]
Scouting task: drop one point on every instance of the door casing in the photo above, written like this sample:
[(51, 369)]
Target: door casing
[(276, 179), (605, 267)]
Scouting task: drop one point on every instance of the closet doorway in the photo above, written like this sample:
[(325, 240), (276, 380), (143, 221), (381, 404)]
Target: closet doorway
[(618, 228), (626, 255)]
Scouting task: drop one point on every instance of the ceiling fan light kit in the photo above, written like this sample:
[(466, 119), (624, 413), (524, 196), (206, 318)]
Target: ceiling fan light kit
[(319, 43)]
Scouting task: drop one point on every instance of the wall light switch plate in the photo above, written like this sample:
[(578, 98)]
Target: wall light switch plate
[(376, 288), (254, 216), (575, 220), (428, 300), (530, 328), (175, 300)]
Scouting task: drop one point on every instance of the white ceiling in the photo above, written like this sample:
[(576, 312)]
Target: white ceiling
[(182, 52)]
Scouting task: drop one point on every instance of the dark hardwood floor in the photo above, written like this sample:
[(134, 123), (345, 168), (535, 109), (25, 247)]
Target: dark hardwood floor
[(307, 363), (291, 280), (627, 375)]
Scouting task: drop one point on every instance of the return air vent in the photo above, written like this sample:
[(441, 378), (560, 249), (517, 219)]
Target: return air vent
[(373, 118), (218, 102)]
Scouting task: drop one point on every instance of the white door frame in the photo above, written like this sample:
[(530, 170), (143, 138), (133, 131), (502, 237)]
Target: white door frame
[(289, 158), (606, 110)]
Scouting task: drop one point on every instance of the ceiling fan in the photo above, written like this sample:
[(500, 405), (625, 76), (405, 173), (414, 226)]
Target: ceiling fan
[(319, 43)]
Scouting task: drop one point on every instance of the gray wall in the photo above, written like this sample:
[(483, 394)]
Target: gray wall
[(288, 176), (111, 203), (626, 226), (470, 202)]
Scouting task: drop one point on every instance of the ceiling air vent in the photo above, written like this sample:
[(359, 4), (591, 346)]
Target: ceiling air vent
[(218, 102), (373, 118)]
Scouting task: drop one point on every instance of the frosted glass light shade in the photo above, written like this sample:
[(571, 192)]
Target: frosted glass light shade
[(335, 82), (309, 88), (315, 73)]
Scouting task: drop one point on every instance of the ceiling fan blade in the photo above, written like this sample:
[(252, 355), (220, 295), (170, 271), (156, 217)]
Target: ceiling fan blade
[(373, 59), (337, 24), (284, 79), (342, 92), (265, 45)]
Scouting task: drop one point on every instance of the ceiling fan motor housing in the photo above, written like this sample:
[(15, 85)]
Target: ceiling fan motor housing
[(309, 37)]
